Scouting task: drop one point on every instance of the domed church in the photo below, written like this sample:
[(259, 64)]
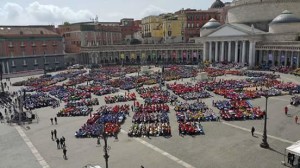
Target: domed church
[(256, 32)]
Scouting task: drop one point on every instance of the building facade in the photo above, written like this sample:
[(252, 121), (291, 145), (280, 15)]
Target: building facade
[(152, 31), (142, 54), (130, 27), (90, 34), (26, 48), (239, 42), (195, 19)]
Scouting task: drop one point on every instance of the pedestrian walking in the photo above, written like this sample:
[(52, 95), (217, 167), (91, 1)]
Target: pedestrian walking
[(252, 131), (98, 141), (51, 119), (55, 133), (296, 119), (286, 110), (61, 142), (57, 143), (132, 108), (55, 119), (52, 135), (65, 153), (64, 140)]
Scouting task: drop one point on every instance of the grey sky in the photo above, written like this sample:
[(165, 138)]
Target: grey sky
[(20, 12)]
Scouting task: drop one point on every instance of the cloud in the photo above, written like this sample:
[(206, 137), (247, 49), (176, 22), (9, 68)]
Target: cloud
[(152, 10), (36, 13)]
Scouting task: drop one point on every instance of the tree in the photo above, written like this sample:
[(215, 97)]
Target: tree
[(135, 41), (66, 23)]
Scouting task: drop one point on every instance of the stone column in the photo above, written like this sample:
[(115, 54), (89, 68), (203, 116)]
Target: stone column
[(244, 53), (285, 58), (273, 58), (251, 54), (7, 65), (222, 51), (236, 52), (3, 68), (292, 59), (204, 52), (298, 59), (260, 57), (210, 51), (229, 51), (216, 51)]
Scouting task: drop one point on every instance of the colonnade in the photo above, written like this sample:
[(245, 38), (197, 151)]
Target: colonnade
[(278, 58), (229, 51), (192, 56)]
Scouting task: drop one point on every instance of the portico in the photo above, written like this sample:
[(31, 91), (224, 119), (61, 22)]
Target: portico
[(231, 43)]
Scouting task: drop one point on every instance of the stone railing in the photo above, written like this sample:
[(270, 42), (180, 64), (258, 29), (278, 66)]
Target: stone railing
[(141, 47), (237, 3)]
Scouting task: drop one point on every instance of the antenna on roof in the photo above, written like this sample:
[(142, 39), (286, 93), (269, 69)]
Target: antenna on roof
[(96, 19)]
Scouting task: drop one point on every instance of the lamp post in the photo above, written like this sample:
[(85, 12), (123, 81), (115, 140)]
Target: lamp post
[(45, 65), (106, 148), (264, 143)]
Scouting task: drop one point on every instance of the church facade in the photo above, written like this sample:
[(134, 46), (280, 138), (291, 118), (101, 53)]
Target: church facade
[(247, 42)]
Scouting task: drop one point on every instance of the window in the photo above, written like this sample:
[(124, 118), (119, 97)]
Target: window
[(35, 61), (192, 25), (10, 44), (21, 33), (13, 63), (33, 52), (24, 62), (11, 53), (188, 25)]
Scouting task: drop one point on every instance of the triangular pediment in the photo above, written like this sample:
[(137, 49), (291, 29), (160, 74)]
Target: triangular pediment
[(227, 31)]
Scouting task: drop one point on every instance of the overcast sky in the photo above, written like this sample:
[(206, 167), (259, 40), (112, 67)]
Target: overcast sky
[(25, 12)]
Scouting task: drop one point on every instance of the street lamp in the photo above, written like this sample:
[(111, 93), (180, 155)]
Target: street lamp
[(106, 148), (264, 143)]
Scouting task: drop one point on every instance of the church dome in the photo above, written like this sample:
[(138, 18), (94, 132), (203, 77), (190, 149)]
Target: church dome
[(211, 24), (285, 17), (217, 4)]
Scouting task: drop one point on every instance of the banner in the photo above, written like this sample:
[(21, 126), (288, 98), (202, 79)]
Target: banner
[(143, 56), (184, 55), (122, 56), (174, 54), (153, 55), (195, 55), (133, 56)]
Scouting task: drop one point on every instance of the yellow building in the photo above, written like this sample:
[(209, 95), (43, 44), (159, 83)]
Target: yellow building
[(173, 28), (164, 28), (152, 26)]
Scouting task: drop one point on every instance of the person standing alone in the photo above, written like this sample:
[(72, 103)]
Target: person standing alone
[(252, 131)]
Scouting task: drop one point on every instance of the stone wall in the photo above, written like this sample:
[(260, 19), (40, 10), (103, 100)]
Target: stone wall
[(253, 11), (280, 37), (284, 28)]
